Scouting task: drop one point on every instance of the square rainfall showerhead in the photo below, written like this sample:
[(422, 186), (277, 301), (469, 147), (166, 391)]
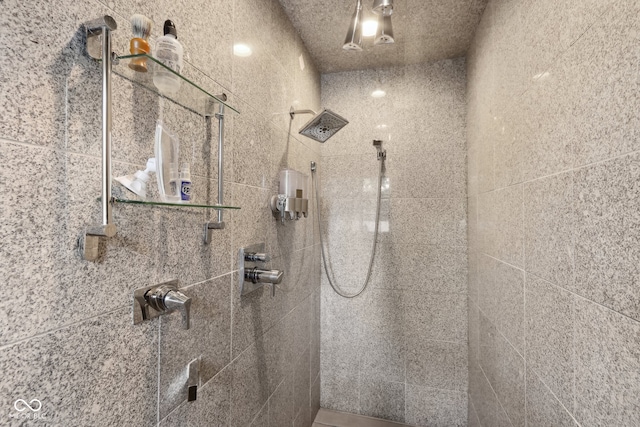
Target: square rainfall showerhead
[(323, 126)]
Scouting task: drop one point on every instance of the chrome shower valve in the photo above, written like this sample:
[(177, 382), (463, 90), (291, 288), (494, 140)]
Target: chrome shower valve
[(154, 301)]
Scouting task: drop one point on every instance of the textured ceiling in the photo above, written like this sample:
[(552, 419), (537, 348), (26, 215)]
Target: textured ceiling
[(424, 30)]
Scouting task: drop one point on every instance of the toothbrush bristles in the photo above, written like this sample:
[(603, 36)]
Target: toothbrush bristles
[(141, 26)]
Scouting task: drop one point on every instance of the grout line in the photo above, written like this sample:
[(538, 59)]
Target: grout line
[(555, 397), (159, 357), (573, 169), (500, 332), (524, 303), (259, 411), (596, 20), (502, 262), (573, 300), (475, 412), (574, 377), (29, 144), (436, 388), (67, 152), (230, 284), (587, 299), (405, 352), (276, 323), (60, 328), (66, 113), (347, 416), (494, 393), (208, 280)]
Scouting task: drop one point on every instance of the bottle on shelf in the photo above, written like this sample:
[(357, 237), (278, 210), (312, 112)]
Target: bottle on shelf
[(169, 51), (186, 187)]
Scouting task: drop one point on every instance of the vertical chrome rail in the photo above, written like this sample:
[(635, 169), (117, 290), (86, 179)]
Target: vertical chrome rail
[(219, 223), (106, 127), (99, 47), (220, 117)]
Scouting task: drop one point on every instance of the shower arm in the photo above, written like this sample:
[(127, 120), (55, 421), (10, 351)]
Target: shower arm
[(293, 112)]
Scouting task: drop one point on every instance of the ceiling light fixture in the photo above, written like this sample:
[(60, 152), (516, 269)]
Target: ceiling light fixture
[(383, 7), (358, 27), (353, 41), (378, 93), (384, 32)]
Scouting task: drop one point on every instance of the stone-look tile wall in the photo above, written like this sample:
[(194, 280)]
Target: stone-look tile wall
[(399, 350), (554, 235), (66, 332)]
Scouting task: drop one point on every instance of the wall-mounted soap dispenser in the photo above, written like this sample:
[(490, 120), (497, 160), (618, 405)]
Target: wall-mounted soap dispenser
[(292, 202)]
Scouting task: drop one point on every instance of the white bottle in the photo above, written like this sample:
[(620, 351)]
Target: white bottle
[(186, 188), (168, 51)]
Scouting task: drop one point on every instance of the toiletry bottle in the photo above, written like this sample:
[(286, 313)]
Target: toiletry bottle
[(185, 183), (169, 52)]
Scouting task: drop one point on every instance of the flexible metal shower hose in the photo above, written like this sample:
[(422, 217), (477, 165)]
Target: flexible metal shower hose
[(335, 287)]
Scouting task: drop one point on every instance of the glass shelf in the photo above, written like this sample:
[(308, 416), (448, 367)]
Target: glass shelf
[(116, 200), (190, 95)]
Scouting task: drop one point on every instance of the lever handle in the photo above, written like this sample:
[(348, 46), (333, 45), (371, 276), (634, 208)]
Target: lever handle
[(270, 276), (257, 275), (166, 299), (176, 300), (256, 257)]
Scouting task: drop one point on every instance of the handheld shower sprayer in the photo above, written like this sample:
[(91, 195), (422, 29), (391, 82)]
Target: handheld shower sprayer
[(382, 154)]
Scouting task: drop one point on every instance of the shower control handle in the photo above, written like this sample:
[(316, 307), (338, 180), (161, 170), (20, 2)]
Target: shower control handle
[(256, 257), (165, 299), (252, 272), (257, 275)]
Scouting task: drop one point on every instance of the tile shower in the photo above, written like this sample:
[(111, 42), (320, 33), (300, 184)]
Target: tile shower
[(399, 351), (505, 289), (66, 332), (553, 193)]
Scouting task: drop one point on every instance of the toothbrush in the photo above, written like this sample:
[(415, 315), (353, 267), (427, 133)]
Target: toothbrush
[(141, 28)]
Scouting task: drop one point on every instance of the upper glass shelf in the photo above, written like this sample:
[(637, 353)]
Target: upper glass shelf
[(175, 205), (190, 95)]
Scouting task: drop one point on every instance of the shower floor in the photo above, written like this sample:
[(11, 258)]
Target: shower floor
[(327, 418)]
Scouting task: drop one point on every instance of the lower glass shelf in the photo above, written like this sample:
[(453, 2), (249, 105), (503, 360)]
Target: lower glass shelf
[(116, 200)]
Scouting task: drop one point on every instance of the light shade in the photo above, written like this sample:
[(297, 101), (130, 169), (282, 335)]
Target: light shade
[(353, 41), (384, 33), (383, 7)]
